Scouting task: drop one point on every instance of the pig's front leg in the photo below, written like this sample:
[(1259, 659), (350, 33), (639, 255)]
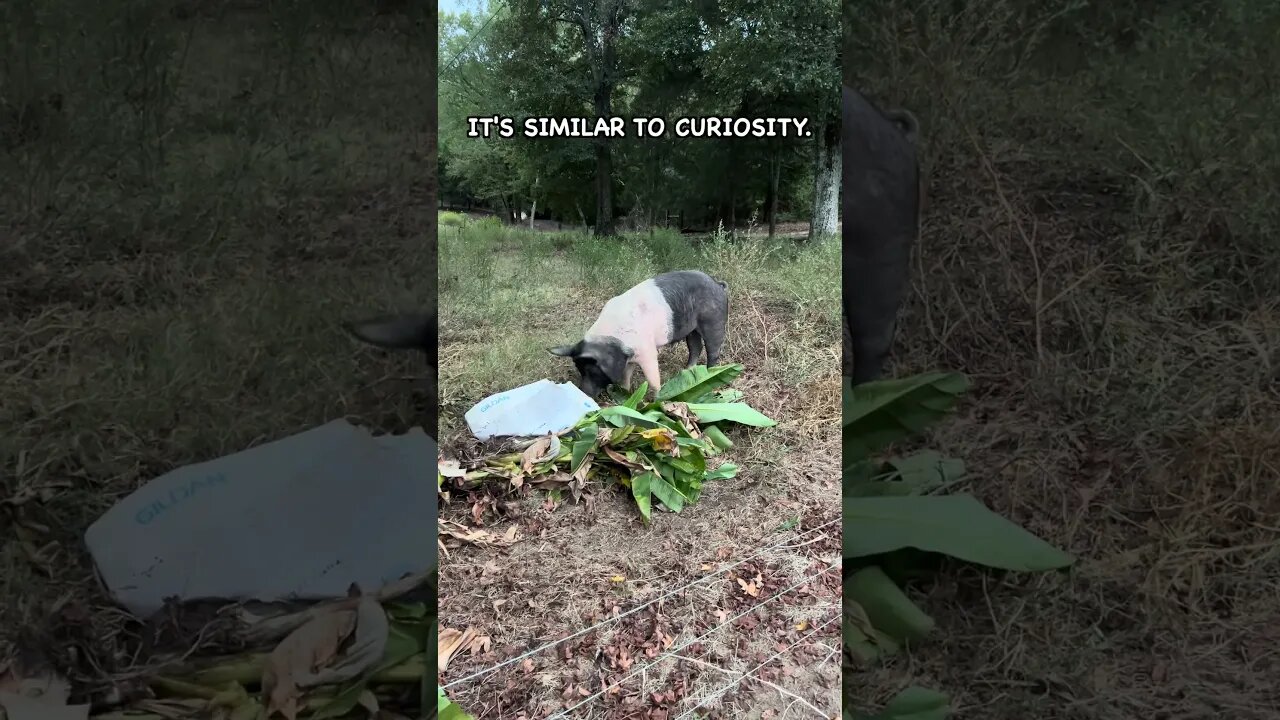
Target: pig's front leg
[(626, 376), (648, 362)]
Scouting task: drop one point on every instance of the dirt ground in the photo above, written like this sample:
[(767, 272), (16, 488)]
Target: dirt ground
[(775, 528)]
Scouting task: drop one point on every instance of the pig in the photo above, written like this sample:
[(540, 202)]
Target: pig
[(684, 305), (882, 197), (404, 331)]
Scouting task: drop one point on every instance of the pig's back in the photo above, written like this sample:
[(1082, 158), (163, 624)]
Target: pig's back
[(639, 317)]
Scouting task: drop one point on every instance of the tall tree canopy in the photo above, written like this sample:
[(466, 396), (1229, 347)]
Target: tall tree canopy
[(663, 58)]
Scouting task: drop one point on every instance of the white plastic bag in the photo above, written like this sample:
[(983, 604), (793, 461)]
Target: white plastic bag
[(534, 409)]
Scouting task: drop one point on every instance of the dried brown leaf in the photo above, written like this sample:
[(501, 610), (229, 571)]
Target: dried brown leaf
[(302, 652)]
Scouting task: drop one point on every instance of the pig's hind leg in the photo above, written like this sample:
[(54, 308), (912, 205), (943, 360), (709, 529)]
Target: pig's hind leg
[(694, 341), (712, 332)]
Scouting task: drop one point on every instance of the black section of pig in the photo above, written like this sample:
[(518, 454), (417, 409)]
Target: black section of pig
[(699, 311), (881, 184), (600, 362)]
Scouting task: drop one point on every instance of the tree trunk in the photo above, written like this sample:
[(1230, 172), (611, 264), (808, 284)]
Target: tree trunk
[(826, 182), (533, 206), (771, 199), (733, 206), (604, 164)]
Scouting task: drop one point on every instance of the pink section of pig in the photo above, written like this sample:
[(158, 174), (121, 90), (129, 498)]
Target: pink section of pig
[(641, 320)]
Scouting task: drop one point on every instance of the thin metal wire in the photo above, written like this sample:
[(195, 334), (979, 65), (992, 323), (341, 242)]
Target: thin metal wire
[(565, 713), (752, 671), (584, 631)]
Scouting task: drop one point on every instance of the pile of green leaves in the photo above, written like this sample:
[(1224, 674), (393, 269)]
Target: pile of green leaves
[(659, 449), (896, 524)]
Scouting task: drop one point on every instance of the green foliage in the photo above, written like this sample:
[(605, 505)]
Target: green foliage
[(875, 415), (696, 383), (891, 522), (673, 59), (447, 710), (451, 219)]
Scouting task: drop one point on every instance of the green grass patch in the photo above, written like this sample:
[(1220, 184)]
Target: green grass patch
[(507, 294)]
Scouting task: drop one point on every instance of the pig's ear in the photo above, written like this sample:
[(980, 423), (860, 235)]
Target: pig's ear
[(564, 350)]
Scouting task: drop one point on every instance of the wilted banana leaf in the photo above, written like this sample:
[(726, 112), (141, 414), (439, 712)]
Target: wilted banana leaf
[(862, 640), (879, 413), (692, 384), (404, 640), (913, 703), (916, 474), (954, 525)]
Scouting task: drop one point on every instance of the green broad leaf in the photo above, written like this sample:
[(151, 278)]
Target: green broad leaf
[(690, 463), (696, 382), (620, 415), (637, 397), (876, 414), (642, 491), (886, 606), (658, 416), (913, 703), (687, 483), (669, 495), (582, 450), (955, 525), (717, 438), (674, 426), (587, 420), (724, 472), (916, 474), (724, 396), (740, 413)]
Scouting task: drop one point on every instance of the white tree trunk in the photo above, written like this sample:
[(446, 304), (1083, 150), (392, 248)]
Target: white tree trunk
[(826, 183), (534, 209)]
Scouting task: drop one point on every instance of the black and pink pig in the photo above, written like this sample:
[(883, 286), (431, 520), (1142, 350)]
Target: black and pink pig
[(684, 305)]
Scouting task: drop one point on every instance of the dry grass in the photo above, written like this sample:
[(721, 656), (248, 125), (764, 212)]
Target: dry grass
[(560, 577), (1118, 311)]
